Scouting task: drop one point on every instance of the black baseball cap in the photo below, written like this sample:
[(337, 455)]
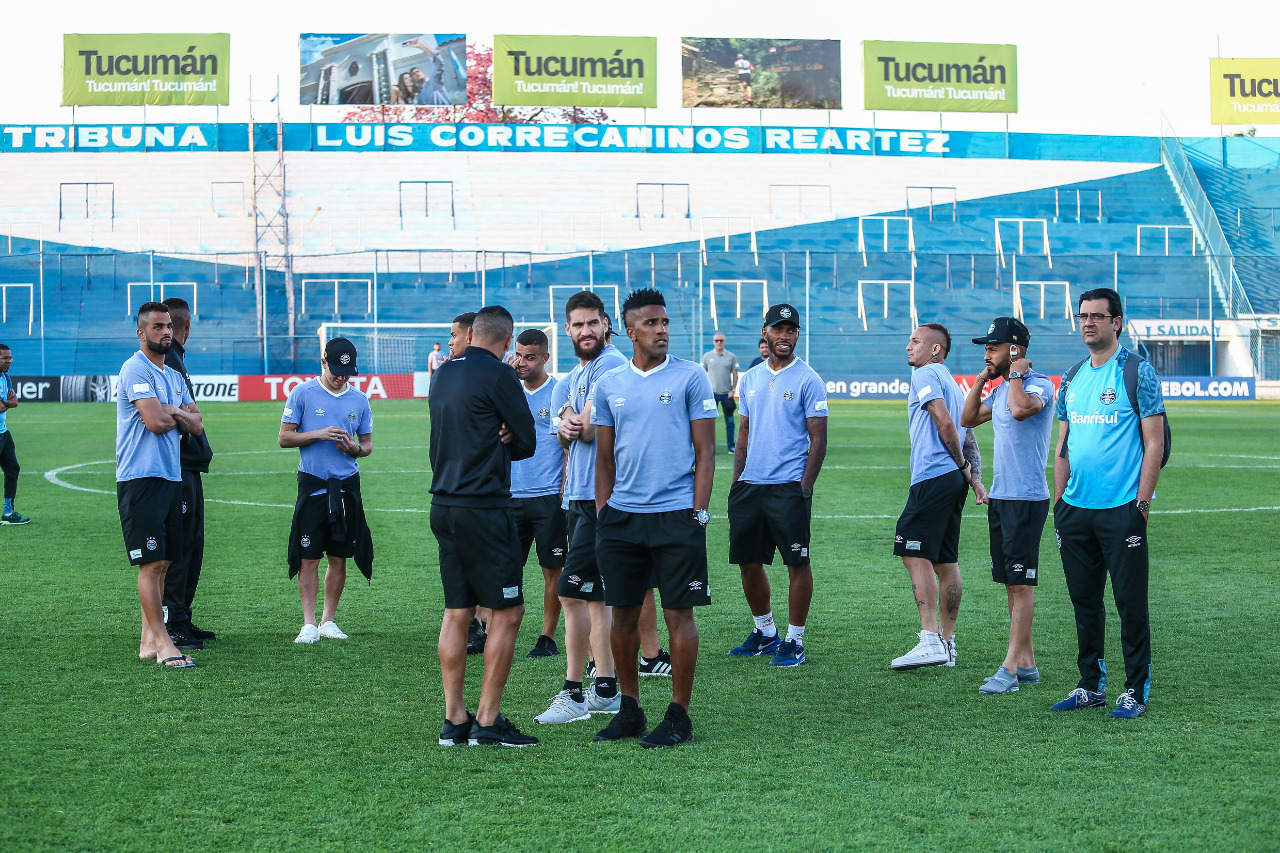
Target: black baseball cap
[(1006, 330), (781, 313), (340, 355)]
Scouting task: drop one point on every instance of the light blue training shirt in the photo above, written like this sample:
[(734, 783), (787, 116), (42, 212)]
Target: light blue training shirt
[(541, 474), (779, 404), (577, 388), (650, 412), (139, 451), (929, 458), (312, 406), (1104, 439), (6, 385), (1021, 447)]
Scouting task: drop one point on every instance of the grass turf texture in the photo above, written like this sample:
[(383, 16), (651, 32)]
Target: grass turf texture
[(269, 745)]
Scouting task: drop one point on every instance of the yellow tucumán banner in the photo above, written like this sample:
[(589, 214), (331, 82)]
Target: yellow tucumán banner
[(124, 69), (1244, 91)]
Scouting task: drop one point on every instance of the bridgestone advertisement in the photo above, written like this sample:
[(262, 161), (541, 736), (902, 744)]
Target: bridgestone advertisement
[(575, 71), (161, 69), (1244, 91), (939, 77)]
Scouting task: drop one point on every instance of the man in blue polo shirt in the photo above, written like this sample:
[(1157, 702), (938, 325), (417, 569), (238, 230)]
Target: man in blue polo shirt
[(1021, 413), (152, 408), (655, 457), (8, 452), (1104, 478), (536, 483), (781, 445)]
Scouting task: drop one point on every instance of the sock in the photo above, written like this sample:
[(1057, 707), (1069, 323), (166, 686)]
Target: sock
[(795, 632), (575, 690), (8, 505), (606, 688), (765, 625)]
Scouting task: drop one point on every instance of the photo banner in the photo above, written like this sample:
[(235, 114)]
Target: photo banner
[(403, 69), (1244, 91), (939, 77), (759, 73), (158, 69), (575, 71)]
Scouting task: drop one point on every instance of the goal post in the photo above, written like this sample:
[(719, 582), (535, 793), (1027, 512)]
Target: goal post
[(405, 347)]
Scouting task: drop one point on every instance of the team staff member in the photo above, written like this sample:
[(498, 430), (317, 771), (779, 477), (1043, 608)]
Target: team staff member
[(944, 466), (183, 577), (587, 620), (1104, 478), (152, 407), (781, 445), (763, 356), (331, 424), (536, 484), (722, 366), (1021, 413), (8, 451), (480, 423), (655, 458)]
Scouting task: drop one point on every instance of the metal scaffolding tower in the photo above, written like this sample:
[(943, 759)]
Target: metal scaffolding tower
[(270, 212)]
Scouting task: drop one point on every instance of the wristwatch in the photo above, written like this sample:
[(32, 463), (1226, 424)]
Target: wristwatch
[(1016, 375), (1144, 506), (702, 516)]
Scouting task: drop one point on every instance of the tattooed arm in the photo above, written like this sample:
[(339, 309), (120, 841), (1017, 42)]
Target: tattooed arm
[(974, 457)]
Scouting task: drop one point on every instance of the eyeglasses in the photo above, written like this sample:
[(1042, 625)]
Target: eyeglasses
[(1093, 318)]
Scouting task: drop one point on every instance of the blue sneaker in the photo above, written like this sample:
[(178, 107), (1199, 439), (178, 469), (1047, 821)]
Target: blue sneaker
[(1128, 707), (757, 643), (790, 653), (1028, 675), (1080, 698)]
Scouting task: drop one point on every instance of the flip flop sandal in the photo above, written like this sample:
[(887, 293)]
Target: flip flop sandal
[(167, 665)]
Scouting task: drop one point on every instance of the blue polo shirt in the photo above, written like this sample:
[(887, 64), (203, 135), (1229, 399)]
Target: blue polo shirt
[(312, 406), (929, 457), (650, 412), (1021, 447), (139, 451), (577, 388), (1104, 440), (6, 385), (542, 473), (779, 404)]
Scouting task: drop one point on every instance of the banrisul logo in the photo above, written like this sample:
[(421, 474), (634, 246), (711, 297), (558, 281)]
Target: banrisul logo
[(569, 71)]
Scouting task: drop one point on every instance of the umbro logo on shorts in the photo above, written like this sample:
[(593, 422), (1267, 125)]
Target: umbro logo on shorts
[(575, 580), (1134, 541), (558, 552), (897, 539), (1017, 567), (695, 586), (795, 546)]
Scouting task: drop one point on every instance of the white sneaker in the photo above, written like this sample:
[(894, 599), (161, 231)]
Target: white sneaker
[(308, 634), (951, 650), (930, 651), (564, 710), (598, 705), (331, 631)]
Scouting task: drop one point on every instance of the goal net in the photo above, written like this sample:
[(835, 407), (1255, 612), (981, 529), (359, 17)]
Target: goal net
[(403, 347)]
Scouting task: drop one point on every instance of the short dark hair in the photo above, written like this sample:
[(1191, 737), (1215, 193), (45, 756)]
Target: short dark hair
[(608, 325), (1114, 305), (761, 341), (641, 298), (584, 299), (148, 307), (5, 346), (493, 324), (465, 320), (946, 336), (533, 338), (179, 305)]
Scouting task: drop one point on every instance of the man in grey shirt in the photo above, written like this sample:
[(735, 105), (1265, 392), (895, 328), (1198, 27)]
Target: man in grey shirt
[(1021, 413), (722, 368)]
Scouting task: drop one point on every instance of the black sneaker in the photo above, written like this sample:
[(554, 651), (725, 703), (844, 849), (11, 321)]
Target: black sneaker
[(544, 648), (476, 637), (591, 668), (199, 633), (629, 722), (656, 667), (676, 728), (180, 634), (457, 734), (501, 733)]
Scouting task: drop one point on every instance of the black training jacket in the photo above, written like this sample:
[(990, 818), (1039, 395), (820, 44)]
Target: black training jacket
[(472, 396)]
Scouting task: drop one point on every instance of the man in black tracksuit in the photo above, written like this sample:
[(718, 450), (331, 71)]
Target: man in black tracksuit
[(480, 423), (184, 572)]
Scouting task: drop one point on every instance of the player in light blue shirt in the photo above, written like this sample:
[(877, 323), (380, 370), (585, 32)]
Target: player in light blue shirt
[(1021, 413), (781, 445), (1104, 476), (536, 483), (331, 424), (152, 405), (8, 451), (655, 458), (945, 464)]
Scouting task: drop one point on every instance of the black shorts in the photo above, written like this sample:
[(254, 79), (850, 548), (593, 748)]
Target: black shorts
[(479, 557), (640, 550), (726, 402), (764, 517), (744, 78), (541, 520), (581, 576), (151, 519), (929, 526), (316, 535), (1016, 527)]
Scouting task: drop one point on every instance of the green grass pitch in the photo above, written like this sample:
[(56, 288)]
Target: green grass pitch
[(271, 746)]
